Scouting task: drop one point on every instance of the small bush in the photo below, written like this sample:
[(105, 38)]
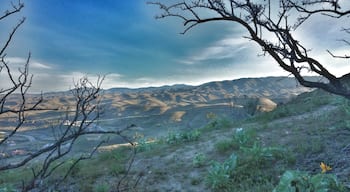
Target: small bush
[(199, 160), (174, 138), (219, 123), (243, 138), (190, 136), (103, 187), (258, 156), (224, 146), (220, 174), (302, 181), (7, 188)]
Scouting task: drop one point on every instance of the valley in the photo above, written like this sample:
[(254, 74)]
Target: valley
[(155, 111), (271, 125)]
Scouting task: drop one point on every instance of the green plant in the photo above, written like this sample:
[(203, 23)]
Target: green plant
[(223, 146), (345, 107), (103, 187), (306, 144), (243, 138), (189, 136), (199, 160), (220, 174), (144, 145), (258, 156), (172, 138), (302, 181), (7, 188), (117, 169), (219, 123)]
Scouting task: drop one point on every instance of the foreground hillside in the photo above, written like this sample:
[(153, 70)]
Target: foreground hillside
[(225, 155), (250, 155)]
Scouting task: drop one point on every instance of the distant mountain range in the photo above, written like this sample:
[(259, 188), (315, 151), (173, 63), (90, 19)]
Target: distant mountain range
[(272, 87), (182, 105), (187, 106)]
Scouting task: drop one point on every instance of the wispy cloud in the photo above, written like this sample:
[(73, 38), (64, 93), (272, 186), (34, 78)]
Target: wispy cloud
[(60, 81), (21, 61), (222, 49), (39, 65)]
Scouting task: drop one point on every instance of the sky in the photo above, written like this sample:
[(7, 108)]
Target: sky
[(69, 39)]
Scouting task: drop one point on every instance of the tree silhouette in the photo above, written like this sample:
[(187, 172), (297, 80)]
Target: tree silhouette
[(79, 119), (271, 24)]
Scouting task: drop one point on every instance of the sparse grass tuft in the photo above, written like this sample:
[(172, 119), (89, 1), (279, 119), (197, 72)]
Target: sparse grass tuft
[(218, 123), (102, 187), (199, 160), (189, 136)]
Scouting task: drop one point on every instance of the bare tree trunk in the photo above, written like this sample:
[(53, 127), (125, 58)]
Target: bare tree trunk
[(273, 32)]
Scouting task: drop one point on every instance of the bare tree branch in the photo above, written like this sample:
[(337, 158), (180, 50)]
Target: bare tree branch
[(79, 121), (272, 33), (15, 9)]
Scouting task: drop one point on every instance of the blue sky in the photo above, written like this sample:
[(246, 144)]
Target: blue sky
[(69, 39)]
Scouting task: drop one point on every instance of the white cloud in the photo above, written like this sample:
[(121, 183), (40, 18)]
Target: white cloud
[(16, 60), (21, 61), (39, 65), (225, 48)]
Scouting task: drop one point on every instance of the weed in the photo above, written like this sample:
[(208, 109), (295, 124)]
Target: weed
[(199, 160), (190, 136), (218, 123), (103, 187), (175, 138), (145, 145), (220, 174), (306, 145), (259, 157), (224, 146), (172, 138), (7, 188), (243, 138), (86, 185), (302, 181), (117, 169)]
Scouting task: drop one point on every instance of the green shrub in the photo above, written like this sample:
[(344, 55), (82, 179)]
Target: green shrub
[(223, 146), (243, 138), (172, 138), (7, 188), (302, 181), (189, 136), (220, 174), (103, 187), (199, 160), (258, 156), (219, 123)]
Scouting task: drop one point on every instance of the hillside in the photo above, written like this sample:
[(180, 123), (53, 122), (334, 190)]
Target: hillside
[(221, 152), (158, 109), (299, 135)]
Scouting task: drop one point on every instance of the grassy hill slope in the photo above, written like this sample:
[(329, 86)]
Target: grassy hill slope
[(247, 155)]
